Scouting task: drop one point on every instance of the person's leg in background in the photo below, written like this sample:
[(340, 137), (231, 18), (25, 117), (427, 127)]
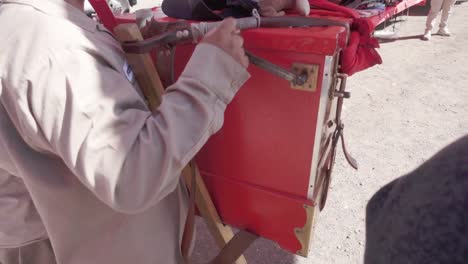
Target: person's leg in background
[(436, 5), (36, 253), (447, 8)]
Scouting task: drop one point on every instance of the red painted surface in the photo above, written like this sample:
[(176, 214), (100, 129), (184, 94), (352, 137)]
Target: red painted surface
[(393, 10), (257, 167), (268, 213), (422, 3), (105, 14), (269, 129), (318, 40)]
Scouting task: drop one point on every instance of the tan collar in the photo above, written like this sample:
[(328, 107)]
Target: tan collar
[(61, 9)]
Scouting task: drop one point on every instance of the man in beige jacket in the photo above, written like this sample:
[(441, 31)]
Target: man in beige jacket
[(87, 173)]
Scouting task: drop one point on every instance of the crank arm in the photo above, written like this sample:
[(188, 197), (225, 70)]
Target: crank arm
[(195, 31), (295, 79)]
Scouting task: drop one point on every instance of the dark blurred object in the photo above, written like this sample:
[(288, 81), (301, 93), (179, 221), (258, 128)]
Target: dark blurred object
[(423, 217), (203, 10), (391, 2)]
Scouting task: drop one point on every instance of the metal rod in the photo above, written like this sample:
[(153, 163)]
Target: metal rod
[(296, 79), (270, 67)]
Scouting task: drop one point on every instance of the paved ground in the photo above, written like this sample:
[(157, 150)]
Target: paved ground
[(400, 113)]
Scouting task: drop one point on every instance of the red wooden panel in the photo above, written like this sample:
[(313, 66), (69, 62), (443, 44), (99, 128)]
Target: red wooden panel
[(258, 167)]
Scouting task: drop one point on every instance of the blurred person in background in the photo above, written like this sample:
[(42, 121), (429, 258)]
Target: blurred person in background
[(436, 6)]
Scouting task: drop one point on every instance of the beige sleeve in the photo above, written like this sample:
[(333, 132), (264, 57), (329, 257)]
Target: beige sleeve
[(94, 119)]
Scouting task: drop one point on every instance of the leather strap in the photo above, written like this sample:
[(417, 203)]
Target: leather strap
[(352, 161), (327, 158)]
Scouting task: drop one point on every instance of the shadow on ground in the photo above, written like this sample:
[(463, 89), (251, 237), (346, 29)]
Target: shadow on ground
[(388, 40), (403, 16), (261, 251), (420, 10)]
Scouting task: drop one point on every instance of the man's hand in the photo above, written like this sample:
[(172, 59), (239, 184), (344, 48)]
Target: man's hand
[(153, 27), (272, 8), (227, 37)]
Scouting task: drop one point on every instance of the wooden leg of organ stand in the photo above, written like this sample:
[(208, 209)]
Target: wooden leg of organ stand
[(151, 86)]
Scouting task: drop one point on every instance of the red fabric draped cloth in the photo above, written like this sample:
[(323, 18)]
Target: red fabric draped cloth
[(361, 52)]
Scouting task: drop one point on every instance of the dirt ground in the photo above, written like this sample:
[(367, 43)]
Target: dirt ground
[(400, 113)]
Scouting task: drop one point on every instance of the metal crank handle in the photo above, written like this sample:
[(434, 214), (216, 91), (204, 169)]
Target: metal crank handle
[(199, 30), (194, 33), (295, 79)]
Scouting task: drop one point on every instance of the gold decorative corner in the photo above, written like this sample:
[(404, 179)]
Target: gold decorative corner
[(304, 234), (312, 71)]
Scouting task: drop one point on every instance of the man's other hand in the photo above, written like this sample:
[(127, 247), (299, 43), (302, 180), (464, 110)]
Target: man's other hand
[(227, 37), (272, 8)]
